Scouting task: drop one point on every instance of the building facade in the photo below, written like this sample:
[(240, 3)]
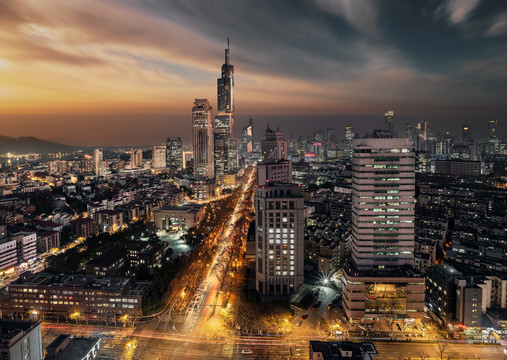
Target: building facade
[(158, 157), (99, 165), (20, 340), (380, 280), (174, 160), (279, 218), (136, 158), (202, 139)]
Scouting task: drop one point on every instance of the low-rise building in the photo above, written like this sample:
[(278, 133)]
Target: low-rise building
[(85, 227), (47, 240), (65, 347), (20, 340), (88, 296), (111, 263), (181, 217), (8, 253), (342, 350), (109, 220)]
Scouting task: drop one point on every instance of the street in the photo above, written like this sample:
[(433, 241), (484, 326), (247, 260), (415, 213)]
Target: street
[(166, 346)]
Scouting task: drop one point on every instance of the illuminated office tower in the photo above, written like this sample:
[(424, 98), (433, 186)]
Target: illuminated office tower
[(422, 130), (492, 129), (158, 157), (136, 158), (202, 139), (174, 158), (225, 88), (380, 281), (279, 217), (225, 146), (388, 121), (349, 136), (99, 164)]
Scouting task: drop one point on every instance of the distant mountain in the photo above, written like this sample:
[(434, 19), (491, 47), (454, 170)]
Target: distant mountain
[(28, 144)]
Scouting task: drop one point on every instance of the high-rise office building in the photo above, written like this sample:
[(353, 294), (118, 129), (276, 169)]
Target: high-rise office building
[(99, 165), (158, 157), (225, 87), (409, 133), (380, 281), (349, 136), (202, 139), (492, 129), (247, 140), (388, 121), (221, 138), (422, 130), (174, 148), (136, 158), (274, 165), (274, 146), (279, 216), (224, 121), (233, 155)]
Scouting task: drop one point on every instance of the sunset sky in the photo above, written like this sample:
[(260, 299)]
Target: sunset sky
[(70, 70)]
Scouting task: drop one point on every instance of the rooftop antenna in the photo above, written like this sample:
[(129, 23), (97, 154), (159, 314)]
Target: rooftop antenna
[(227, 50)]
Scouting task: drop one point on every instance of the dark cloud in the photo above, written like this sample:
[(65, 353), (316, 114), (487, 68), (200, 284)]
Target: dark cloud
[(291, 56)]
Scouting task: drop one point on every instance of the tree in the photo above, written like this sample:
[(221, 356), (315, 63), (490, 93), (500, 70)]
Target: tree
[(441, 349), (422, 355)]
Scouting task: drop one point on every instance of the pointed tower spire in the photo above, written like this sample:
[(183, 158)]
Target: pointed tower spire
[(227, 50)]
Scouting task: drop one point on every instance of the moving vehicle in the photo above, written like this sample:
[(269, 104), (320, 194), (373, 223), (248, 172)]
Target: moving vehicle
[(246, 351), (304, 317)]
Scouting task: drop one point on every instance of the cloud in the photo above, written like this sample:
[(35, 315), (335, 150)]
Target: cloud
[(157, 56), (499, 26), (360, 14), (457, 11)]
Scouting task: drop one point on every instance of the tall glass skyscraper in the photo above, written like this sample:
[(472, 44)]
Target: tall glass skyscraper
[(224, 119), (202, 139), (174, 148)]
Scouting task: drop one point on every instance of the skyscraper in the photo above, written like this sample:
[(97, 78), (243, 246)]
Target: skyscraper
[(247, 140), (492, 129), (224, 120), (99, 166), (202, 139), (274, 165), (409, 133), (225, 87), (349, 136), (136, 158), (158, 157), (174, 159), (380, 280), (388, 121), (274, 147), (279, 216)]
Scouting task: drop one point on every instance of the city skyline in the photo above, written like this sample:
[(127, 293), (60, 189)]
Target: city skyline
[(327, 60)]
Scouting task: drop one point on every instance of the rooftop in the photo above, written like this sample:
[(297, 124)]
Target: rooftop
[(338, 350), (9, 329), (76, 349), (75, 280)]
